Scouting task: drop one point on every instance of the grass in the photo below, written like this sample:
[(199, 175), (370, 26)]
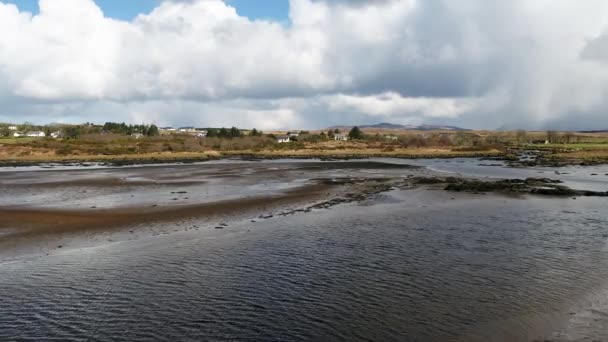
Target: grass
[(14, 141), (596, 156), (30, 156), (425, 152), (577, 146)]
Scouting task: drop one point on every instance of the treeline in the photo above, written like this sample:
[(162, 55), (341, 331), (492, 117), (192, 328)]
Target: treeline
[(231, 133), (122, 128)]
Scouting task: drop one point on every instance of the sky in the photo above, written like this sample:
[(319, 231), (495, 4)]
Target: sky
[(128, 10), (281, 64)]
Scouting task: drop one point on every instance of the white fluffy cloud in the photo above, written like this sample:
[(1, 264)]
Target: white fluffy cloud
[(476, 63)]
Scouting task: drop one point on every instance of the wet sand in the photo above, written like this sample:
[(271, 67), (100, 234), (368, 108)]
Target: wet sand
[(54, 208), (59, 205), (22, 227), (32, 222)]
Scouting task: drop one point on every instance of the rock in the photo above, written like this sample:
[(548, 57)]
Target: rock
[(430, 180), (532, 180), (556, 191)]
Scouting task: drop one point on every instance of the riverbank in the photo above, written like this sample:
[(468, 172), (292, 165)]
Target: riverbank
[(193, 157), (533, 156)]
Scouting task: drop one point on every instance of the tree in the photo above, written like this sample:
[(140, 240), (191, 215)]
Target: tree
[(4, 131), (152, 131), (337, 131), (254, 132), (355, 133), (212, 133), (235, 132), (72, 132), (223, 133)]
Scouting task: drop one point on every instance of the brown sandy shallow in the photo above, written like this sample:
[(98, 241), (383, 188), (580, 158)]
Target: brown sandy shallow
[(23, 226), (102, 183)]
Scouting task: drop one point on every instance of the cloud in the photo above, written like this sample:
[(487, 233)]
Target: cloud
[(476, 63), (394, 105)]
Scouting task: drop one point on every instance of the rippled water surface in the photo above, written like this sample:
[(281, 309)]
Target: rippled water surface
[(407, 265)]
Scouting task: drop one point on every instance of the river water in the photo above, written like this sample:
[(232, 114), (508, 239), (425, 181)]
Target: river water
[(406, 265)]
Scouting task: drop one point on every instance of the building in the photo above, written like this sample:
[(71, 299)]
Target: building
[(187, 129), (12, 128), (391, 137), (57, 134), (293, 134), (137, 135), (35, 134), (18, 135), (341, 137), (283, 139), (201, 134), (169, 129)]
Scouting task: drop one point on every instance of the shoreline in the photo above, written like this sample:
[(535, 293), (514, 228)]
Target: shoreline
[(135, 160), (204, 157)]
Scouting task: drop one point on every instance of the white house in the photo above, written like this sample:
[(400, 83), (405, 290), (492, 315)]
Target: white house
[(12, 128), (201, 134), (341, 137), (391, 137), (35, 134), (57, 134), (293, 134), (18, 134), (186, 129), (137, 135), (283, 139)]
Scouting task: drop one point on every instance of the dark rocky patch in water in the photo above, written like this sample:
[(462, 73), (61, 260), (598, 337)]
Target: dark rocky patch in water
[(537, 186)]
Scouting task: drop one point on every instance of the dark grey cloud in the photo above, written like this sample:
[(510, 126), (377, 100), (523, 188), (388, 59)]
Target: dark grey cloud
[(596, 49)]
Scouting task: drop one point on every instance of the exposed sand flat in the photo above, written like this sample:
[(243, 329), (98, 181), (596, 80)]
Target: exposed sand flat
[(20, 225), (61, 205)]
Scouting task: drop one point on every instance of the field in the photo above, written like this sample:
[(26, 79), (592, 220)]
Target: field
[(571, 148)]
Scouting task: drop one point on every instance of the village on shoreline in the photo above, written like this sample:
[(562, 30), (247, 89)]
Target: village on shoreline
[(31, 144)]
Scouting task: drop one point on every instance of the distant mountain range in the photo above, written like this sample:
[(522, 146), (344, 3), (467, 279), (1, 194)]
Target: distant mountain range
[(385, 125)]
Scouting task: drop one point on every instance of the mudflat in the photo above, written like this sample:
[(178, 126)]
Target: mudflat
[(57, 205)]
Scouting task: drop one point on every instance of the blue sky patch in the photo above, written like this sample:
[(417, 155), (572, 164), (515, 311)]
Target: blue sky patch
[(127, 10)]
